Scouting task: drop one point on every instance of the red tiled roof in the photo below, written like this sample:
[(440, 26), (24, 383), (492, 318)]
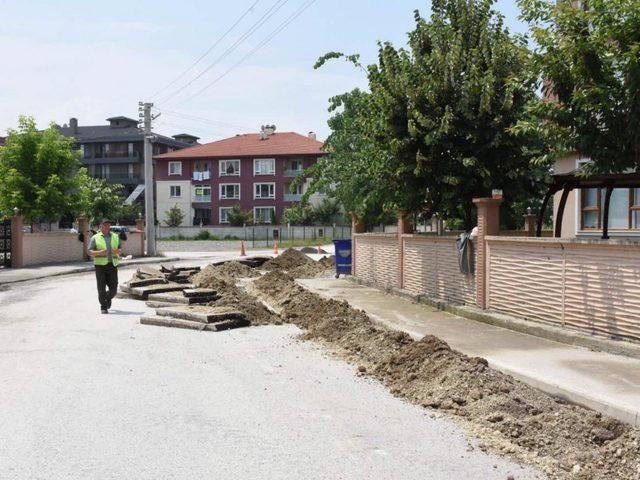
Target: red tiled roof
[(250, 144)]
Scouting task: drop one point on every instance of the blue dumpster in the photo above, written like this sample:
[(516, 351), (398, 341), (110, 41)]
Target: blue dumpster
[(343, 256)]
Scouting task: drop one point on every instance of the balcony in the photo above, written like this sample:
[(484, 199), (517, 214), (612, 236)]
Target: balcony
[(125, 179), (202, 199), (292, 197), (115, 157), (293, 173)]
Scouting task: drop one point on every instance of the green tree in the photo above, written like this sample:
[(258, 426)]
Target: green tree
[(175, 216), (299, 214), (99, 199), (588, 61), (437, 127), (38, 172), (238, 217)]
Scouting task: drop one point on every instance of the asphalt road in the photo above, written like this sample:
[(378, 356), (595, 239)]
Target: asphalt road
[(89, 396)]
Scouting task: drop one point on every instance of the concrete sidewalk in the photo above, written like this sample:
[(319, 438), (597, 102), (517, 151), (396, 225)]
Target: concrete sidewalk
[(13, 275), (601, 381)]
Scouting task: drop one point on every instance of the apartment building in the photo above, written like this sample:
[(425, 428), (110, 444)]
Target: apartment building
[(115, 151), (254, 170)]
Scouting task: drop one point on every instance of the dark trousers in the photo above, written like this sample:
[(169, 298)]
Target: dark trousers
[(107, 277)]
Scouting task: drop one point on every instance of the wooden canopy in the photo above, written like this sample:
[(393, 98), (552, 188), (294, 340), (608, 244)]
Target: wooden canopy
[(573, 180)]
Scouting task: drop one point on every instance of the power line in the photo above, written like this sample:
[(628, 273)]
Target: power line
[(281, 27), (215, 44), (265, 17), (203, 120)]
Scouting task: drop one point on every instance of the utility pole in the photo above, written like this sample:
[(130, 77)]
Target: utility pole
[(150, 219)]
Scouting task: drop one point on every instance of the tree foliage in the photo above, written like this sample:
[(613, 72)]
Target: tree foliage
[(38, 172), (436, 128), (589, 59), (238, 217), (303, 213), (175, 216), (97, 199)]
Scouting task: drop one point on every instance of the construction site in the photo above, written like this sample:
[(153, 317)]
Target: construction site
[(509, 417)]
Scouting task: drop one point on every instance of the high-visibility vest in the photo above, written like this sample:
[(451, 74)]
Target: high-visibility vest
[(101, 244)]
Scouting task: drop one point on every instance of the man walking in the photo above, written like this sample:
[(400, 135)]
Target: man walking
[(105, 249)]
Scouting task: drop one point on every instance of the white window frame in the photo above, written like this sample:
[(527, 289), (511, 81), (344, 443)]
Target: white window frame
[(220, 213), (220, 188), (300, 187), (179, 187), (261, 207), (255, 163), (179, 168), (300, 160), (195, 187), (270, 197), (222, 171)]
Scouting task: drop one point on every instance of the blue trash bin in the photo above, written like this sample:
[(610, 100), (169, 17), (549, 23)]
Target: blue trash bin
[(343, 256)]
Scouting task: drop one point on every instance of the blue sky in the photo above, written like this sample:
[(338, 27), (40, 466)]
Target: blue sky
[(95, 59)]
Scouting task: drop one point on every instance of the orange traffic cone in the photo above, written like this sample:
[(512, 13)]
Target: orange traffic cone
[(275, 247), (243, 253)]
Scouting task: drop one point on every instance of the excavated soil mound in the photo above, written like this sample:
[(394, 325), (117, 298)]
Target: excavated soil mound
[(312, 250), (567, 441), (290, 258), (323, 267), (227, 271), (220, 279)]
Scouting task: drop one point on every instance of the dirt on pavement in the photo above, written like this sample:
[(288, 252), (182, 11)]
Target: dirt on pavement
[(510, 417)]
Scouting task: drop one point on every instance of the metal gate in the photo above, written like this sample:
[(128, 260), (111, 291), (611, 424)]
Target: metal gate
[(5, 243)]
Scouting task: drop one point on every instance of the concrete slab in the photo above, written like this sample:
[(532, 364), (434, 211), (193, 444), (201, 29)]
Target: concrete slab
[(171, 298), (144, 292), (199, 313), (598, 380), (145, 282)]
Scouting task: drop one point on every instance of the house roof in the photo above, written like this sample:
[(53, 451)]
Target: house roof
[(251, 144), (106, 133)]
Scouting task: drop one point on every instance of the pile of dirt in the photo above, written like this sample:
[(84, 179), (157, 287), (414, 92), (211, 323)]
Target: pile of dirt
[(511, 417), (313, 250), (323, 267), (220, 279), (289, 259)]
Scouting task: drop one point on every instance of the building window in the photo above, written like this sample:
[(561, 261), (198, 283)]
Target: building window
[(264, 166), (294, 165), (201, 171), (224, 214), (264, 214), (202, 194), (264, 190), (229, 191), (624, 208), (229, 168), (175, 191), (294, 190), (175, 168)]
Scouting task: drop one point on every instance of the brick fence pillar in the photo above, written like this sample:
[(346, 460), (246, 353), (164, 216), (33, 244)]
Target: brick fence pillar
[(488, 224), (140, 228), (17, 241), (357, 226), (405, 226), (530, 224), (83, 227)]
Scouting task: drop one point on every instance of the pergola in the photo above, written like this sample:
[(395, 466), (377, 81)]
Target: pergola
[(571, 181)]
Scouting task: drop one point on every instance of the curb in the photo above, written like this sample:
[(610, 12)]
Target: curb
[(88, 269)]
